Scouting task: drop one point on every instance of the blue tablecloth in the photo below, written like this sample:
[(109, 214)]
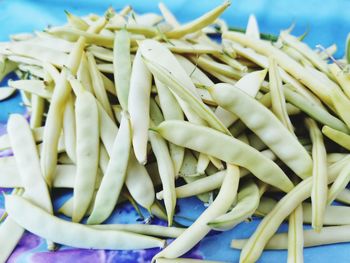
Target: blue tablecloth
[(328, 23)]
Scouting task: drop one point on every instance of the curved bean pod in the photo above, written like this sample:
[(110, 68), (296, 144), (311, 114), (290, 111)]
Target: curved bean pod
[(113, 179), (199, 23), (341, 77), (76, 21), (6, 92), (200, 186), (290, 65), (166, 172), (247, 201), (171, 111), (40, 53), (199, 229), (176, 80), (269, 225), (211, 66), (305, 50), (314, 110), (250, 84), (262, 122), (337, 136), (183, 47), (27, 161), (33, 86), (334, 215), (339, 184), (214, 143), (10, 233), (54, 117), (60, 231), (278, 101), (341, 104), (139, 183)]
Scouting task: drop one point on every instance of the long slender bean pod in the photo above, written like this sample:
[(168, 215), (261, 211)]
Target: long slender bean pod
[(144, 229), (291, 66), (328, 235), (166, 172), (192, 235), (114, 177), (27, 161), (262, 122), (97, 84), (177, 80), (37, 221), (247, 202), (87, 127), (269, 225), (171, 111), (199, 23), (314, 110), (36, 115), (319, 174), (339, 184), (122, 66), (337, 136), (214, 143), (138, 106), (69, 132)]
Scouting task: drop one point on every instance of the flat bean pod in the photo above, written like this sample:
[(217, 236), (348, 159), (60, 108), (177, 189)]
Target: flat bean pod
[(171, 111), (60, 231), (328, 235), (122, 66), (214, 143), (192, 235), (138, 106), (200, 186), (6, 92), (98, 85), (314, 110), (199, 23), (33, 86), (36, 115), (166, 172), (262, 122), (69, 131), (144, 229), (269, 225), (247, 201), (113, 179), (198, 106), (319, 174), (87, 127), (250, 84), (290, 65), (339, 184)]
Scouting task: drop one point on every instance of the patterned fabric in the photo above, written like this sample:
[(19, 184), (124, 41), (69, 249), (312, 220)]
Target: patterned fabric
[(327, 22)]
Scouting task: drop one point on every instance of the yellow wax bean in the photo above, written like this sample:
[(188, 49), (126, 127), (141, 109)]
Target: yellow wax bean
[(87, 128)]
